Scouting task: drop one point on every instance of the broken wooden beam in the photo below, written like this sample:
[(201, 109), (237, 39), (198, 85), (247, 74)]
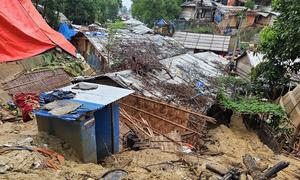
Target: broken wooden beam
[(257, 173), (275, 169)]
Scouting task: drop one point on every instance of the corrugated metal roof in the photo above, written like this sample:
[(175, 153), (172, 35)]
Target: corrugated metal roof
[(99, 43), (168, 47), (208, 63), (194, 3), (103, 95), (141, 29), (230, 9), (208, 42), (201, 66)]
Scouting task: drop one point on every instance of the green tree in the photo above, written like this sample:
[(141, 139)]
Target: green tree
[(107, 10), (112, 31), (249, 4), (50, 10), (281, 46), (149, 11), (81, 12)]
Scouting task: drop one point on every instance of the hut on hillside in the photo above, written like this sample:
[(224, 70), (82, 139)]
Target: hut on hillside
[(246, 62), (227, 18), (198, 10)]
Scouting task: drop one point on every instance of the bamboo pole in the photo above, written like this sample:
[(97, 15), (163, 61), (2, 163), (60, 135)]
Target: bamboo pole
[(155, 131), (163, 119), (209, 119)]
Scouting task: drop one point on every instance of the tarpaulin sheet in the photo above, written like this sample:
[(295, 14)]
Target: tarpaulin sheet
[(66, 30), (85, 108), (24, 33)]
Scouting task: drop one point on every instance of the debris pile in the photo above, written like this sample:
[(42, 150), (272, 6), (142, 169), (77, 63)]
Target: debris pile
[(8, 114), (132, 56), (249, 170), (22, 156), (155, 124), (147, 47), (187, 80), (296, 148), (125, 47)]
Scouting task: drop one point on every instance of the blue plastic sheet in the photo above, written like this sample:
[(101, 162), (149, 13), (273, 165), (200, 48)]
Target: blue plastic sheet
[(56, 95), (218, 17), (85, 108), (67, 31), (161, 22), (97, 34)]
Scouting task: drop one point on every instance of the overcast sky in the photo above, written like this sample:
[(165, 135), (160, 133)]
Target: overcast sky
[(127, 3)]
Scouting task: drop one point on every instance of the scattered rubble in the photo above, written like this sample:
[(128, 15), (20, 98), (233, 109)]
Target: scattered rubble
[(234, 143)]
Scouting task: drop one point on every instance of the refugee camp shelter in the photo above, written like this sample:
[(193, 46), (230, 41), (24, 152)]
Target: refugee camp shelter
[(265, 18), (202, 10), (203, 42), (246, 62), (290, 102), (93, 45), (24, 33), (233, 2), (161, 109), (227, 19), (92, 129), (185, 68)]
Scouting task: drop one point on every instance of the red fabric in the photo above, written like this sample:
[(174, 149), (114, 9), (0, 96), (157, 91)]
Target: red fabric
[(24, 33), (27, 103)]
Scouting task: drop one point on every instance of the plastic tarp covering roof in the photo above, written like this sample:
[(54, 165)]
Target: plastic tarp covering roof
[(24, 33), (67, 31)]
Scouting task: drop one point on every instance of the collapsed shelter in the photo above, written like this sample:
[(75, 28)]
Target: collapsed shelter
[(126, 45), (168, 99)]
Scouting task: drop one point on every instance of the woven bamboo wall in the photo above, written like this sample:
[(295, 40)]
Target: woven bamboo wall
[(291, 104), (37, 82), (175, 115)]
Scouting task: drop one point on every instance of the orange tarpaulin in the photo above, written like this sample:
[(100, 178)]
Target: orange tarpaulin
[(24, 33)]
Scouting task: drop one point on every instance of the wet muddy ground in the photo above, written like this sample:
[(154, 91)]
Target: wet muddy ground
[(226, 149)]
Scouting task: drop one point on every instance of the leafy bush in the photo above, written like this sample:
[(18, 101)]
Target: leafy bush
[(251, 105)]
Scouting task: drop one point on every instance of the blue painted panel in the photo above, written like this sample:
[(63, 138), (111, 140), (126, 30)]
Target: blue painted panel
[(80, 135), (94, 62), (105, 133)]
